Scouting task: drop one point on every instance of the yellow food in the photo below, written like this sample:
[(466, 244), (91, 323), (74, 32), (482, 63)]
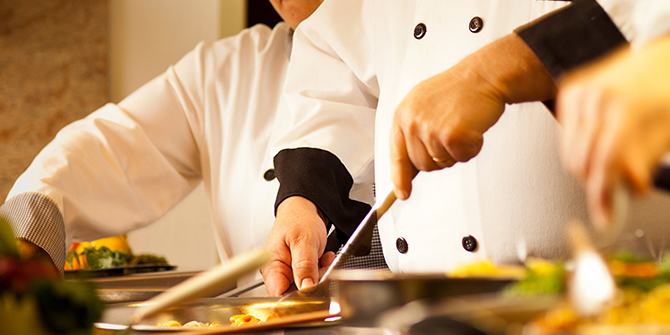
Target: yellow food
[(487, 269), (641, 306), (633, 311), (541, 266), (243, 319), (77, 258), (171, 323), (78, 263), (81, 246), (190, 324), (116, 243)]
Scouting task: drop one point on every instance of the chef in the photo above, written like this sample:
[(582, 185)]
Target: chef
[(508, 202), (209, 118)]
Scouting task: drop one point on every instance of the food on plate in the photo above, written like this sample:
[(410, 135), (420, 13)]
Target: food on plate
[(243, 319), (35, 300), (642, 304), (541, 277), (107, 253), (171, 323), (487, 269), (190, 324), (633, 307), (235, 320), (114, 243)]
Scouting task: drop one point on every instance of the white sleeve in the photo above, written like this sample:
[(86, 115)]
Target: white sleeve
[(331, 88), (640, 21), (125, 165), (652, 19)]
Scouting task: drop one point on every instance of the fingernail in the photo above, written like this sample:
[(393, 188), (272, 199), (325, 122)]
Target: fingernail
[(306, 283)]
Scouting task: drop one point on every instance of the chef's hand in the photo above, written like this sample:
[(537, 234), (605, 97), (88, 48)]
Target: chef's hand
[(443, 119), (297, 241), (616, 119)]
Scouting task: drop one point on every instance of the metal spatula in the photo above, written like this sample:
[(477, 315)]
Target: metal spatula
[(591, 285), (620, 201)]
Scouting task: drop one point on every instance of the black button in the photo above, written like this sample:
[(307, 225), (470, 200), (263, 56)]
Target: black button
[(476, 24), (419, 31), (469, 243), (401, 245), (269, 175)]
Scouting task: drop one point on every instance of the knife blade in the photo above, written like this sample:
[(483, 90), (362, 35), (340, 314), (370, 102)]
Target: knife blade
[(360, 242)]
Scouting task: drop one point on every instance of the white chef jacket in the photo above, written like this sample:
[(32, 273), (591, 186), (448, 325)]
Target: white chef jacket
[(359, 58), (207, 118), (651, 19)]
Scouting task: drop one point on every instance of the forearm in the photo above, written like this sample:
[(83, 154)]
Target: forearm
[(524, 65), (514, 70)]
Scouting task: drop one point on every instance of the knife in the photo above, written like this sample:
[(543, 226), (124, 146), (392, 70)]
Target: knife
[(360, 242)]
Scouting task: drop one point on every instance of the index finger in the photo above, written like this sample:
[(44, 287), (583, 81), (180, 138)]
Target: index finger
[(402, 169), (305, 264)]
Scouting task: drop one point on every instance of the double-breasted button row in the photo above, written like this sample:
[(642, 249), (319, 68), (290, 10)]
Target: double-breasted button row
[(469, 244), (476, 25)]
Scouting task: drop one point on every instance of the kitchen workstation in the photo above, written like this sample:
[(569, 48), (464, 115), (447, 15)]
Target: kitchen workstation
[(596, 291), (602, 288)]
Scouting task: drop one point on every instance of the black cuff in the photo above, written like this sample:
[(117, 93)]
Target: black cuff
[(662, 178), (571, 36), (319, 176)]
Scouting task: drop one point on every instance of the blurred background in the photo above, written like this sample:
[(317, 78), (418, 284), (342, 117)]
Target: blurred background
[(62, 59)]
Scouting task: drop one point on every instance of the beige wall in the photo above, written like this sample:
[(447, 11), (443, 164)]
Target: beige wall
[(53, 70), (146, 36)]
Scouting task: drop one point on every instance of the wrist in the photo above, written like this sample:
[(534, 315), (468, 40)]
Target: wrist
[(514, 71), (298, 204)]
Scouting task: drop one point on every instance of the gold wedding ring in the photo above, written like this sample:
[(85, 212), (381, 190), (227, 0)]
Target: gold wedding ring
[(440, 160)]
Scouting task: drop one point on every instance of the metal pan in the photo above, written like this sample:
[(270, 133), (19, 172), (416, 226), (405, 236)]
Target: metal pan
[(209, 310), (364, 295)]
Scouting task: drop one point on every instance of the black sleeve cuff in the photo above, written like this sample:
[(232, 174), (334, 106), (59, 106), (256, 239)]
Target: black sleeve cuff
[(319, 176), (571, 36), (662, 179)]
